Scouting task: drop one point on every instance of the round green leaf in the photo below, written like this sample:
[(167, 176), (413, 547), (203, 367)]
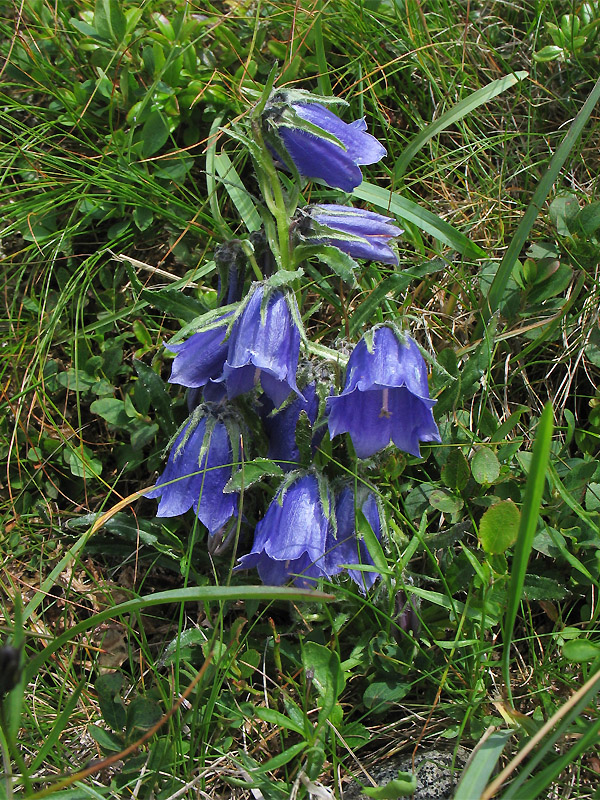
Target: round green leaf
[(485, 466), (445, 501), (580, 650), (499, 527)]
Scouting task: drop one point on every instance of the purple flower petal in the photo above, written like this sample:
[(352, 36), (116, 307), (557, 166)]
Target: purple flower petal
[(199, 358), (346, 548), (291, 537), (385, 397), (263, 349), (317, 157)]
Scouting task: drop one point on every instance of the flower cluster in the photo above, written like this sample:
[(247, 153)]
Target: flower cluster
[(258, 387)]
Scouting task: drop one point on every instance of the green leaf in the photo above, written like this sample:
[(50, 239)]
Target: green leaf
[(109, 687), (527, 527), (109, 20), (112, 410), (539, 587), (380, 696), (174, 303), (485, 757), (252, 472), (485, 466), (589, 218), (580, 650), (402, 786), (152, 386), (278, 719), (76, 380), (499, 526), (430, 223), (143, 217), (283, 758), (82, 463), (445, 501), (365, 313), (454, 114), (549, 53), (327, 676), (142, 714), (87, 30), (155, 132), (455, 472), (106, 740), (240, 197), (341, 263)]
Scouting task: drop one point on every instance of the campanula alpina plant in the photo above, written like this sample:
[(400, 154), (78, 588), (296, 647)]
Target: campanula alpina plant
[(291, 539), (385, 397), (255, 342), (346, 546), (360, 233), (264, 345), (199, 466), (320, 145)]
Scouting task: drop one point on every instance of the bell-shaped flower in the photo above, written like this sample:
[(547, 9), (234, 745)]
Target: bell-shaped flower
[(290, 540), (344, 546), (264, 345), (318, 142), (201, 357), (198, 468), (386, 396), (281, 426), (360, 233)]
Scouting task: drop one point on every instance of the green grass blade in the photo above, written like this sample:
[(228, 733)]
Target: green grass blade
[(498, 286), (412, 212), (475, 777), (527, 528), (559, 725), (323, 78), (454, 114), (189, 594), (537, 786), (57, 729)]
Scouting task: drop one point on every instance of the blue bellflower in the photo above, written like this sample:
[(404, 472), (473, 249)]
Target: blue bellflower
[(200, 358), (385, 397), (290, 540), (369, 233), (345, 547), (264, 346), (320, 157), (196, 479), (281, 427)]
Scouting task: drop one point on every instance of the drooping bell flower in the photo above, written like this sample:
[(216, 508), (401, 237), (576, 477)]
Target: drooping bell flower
[(198, 468), (200, 358), (386, 396), (360, 233), (264, 345), (317, 141), (281, 426), (290, 540), (344, 546)]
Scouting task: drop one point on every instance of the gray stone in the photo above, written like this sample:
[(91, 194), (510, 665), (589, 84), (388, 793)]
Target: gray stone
[(435, 777)]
